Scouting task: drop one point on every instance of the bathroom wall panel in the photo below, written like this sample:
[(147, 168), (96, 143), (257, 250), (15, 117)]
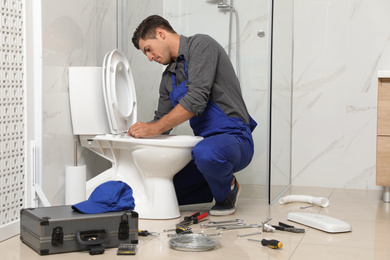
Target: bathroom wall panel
[(339, 48), (74, 33)]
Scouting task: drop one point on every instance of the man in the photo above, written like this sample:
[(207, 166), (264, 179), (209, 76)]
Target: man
[(199, 84)]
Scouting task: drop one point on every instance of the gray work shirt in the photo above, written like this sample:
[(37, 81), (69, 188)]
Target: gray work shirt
[(210, 76)]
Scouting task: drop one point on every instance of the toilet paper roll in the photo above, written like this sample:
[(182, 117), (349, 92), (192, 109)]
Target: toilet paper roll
[(75, 184)]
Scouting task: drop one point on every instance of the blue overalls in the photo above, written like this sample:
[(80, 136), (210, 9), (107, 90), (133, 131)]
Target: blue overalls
[(227, 147)]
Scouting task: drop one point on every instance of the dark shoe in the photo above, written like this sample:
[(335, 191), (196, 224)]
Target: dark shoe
[(229, 205)]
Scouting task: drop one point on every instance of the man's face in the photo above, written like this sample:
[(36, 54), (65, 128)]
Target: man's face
[(156, 50)]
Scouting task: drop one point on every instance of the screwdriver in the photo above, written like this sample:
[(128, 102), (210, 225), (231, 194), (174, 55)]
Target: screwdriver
[(274, 244)]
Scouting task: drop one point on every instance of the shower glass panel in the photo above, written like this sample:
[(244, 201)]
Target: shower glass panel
[(281, 98), (219, 20)]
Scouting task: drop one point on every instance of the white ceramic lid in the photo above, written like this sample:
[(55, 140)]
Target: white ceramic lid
[(119, 92)]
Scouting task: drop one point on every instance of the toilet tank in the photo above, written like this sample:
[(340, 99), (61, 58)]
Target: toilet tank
[(87, 107)]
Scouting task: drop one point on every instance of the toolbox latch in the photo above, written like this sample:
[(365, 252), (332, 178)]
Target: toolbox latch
[(123, 231), (57, 237)]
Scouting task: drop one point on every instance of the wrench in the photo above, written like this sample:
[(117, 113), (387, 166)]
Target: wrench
[(266, 221), (226, 221), (221, 225), (244, 226), (251, 234)]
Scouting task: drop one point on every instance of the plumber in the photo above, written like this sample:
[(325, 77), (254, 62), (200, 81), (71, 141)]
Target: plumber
[(199, 84)]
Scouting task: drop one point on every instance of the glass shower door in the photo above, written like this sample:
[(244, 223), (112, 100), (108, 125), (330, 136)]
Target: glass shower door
[(281, 99), (236, 25)]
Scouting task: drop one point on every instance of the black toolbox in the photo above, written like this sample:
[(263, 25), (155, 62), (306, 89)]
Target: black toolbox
[(60, 229)]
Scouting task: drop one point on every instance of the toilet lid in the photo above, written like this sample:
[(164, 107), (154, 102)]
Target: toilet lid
[(119, 92)]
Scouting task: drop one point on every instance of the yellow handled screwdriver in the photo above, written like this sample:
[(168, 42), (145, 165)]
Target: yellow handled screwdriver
[(274, 244)]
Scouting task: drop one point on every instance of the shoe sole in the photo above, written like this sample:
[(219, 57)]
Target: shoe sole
[(226, 212)]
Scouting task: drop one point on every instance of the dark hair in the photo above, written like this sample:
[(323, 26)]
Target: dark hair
[(147, 29)]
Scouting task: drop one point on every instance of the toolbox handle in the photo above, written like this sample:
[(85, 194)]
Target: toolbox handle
[(92, 237)]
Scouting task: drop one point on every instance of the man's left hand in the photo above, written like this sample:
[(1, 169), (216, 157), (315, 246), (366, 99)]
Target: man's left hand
[(174, 118)]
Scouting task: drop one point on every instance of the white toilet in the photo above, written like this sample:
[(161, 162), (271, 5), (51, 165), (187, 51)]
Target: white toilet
[(103, 106)]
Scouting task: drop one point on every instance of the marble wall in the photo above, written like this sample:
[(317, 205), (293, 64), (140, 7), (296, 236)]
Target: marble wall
[(74, 33), (78, 33), (340, 45)]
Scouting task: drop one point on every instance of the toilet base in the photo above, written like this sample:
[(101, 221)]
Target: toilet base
[(147, 165)]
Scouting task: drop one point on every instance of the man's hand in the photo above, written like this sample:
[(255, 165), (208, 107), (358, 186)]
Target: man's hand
[(174, 118), (141, 129)]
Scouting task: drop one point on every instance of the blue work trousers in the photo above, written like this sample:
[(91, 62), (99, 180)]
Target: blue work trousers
[(210, 173)]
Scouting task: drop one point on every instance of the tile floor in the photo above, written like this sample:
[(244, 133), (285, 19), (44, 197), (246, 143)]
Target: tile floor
[(364, 210)]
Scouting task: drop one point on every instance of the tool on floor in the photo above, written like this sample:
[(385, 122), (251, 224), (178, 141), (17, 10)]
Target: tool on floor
[(145, 233), (305, 207), (266, 221), (240, 227), (192, 219), (180, 231), (285, 227), (250, 234), (183, 230), (126, 249), (216, 234), (222, 225), (227, 221), (273, 243), (268, 228)]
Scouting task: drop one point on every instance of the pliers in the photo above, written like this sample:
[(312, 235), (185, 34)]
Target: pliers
[(285, 227), (192, 219)]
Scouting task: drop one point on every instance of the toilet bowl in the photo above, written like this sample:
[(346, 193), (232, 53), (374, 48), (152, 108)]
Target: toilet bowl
[(103, 106)]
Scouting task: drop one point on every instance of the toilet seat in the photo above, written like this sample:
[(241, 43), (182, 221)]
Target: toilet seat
[(119, 92)]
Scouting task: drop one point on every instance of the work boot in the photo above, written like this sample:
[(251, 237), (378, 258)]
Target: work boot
[(229, 205)]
